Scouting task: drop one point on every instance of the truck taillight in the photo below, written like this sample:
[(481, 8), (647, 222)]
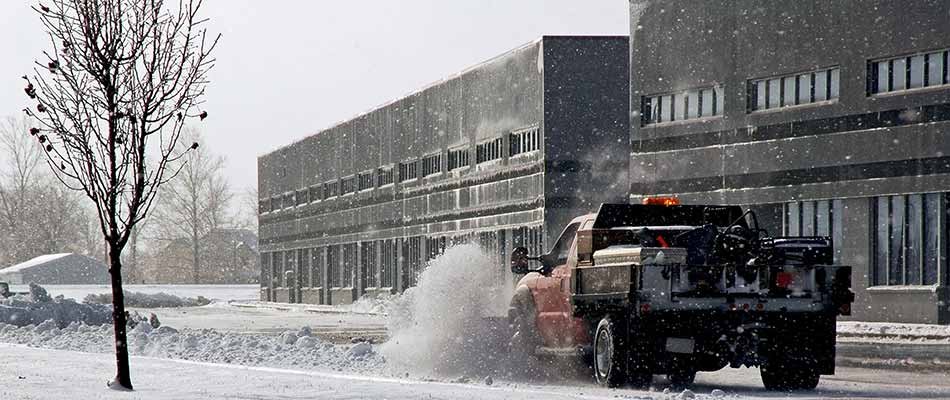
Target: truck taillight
[(661, 201), (784, 279), (796, 280)]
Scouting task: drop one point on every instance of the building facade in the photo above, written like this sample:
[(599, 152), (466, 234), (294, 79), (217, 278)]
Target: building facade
[(500, 154), (827, 118)]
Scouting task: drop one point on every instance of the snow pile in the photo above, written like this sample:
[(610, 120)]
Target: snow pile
[(439, 326), (38, 308), (148, 300), (893, 330), (291, 349)]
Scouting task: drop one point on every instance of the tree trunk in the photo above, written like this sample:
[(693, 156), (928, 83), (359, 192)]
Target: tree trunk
[(122, 377), (195, 264)]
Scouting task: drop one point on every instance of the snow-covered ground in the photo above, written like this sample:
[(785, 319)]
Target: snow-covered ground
[(239, 347), (212, 292), (32, 373)]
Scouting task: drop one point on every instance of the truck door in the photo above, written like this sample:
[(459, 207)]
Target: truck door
[(552, 295)]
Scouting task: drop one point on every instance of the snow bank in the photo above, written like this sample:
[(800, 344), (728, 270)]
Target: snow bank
[(148, 300), (38, 307), (893, 330), (291, 349), (439, 326)]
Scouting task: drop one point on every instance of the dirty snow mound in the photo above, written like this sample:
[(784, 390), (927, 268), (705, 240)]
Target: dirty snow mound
[(289, 350), (148, 300), (439, 326), (38, 307)]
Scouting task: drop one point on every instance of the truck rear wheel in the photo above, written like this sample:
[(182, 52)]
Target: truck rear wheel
[(790, 368), (777, 377), (610, 353), (682, 378)]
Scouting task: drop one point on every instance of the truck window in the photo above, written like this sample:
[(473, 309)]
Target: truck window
[(563, 245)]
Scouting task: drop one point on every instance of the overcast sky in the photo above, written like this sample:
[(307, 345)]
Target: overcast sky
[(287, 69)]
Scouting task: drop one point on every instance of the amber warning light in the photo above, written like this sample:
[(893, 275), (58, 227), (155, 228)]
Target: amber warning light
[(661, 201)]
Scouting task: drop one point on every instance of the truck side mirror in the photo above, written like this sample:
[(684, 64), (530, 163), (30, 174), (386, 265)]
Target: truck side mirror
[(519, 260)]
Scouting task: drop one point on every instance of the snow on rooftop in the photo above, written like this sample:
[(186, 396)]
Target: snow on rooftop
[(33, 262)]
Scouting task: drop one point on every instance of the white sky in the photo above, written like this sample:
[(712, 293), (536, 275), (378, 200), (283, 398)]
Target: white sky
[(287, 69)]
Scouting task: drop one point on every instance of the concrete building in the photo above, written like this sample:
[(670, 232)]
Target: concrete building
[(829, 118), (57, 269), (501, 153)]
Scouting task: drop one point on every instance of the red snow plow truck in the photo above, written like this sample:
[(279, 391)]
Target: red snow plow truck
[(663, 288)]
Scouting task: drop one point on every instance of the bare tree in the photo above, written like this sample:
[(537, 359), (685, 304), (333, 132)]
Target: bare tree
[(248, 209), (35, 217), (111, 97), (18, 178), (195, 203)]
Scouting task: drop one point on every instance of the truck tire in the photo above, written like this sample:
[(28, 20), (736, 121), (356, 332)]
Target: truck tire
[(610, 353), (778, 378), (681, 378), (790, 367)]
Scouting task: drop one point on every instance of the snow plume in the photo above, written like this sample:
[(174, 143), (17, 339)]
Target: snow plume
[(440, 326)]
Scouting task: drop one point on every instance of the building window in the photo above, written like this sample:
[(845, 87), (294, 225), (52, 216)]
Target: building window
[(290, 200), (794, 89), (680, 106), (366, 180), (333, 266), (384, 176), (303, 197), (263, 206), (303, 274), (524, 141), (488, 151), (432, 164), (408, 170), (908, 72), (277, 268), (908, 239), (815, 218), (458, 158), (316, 267), (389, 258), (348, 185), (349, 265), (331, 189), (316, 193)]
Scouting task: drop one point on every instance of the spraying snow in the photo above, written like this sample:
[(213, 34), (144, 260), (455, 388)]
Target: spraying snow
[(440, 326)]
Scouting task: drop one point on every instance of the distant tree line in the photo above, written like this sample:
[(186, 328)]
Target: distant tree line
[(192, 213)]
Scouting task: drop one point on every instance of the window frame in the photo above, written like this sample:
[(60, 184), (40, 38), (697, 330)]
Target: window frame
[(431, 161), (346, 180), (412, 165), (679, 102), (491, 146), (821, 90), (359, 181), (528, 137), (381, 172), (875, 73), (465, 150)]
